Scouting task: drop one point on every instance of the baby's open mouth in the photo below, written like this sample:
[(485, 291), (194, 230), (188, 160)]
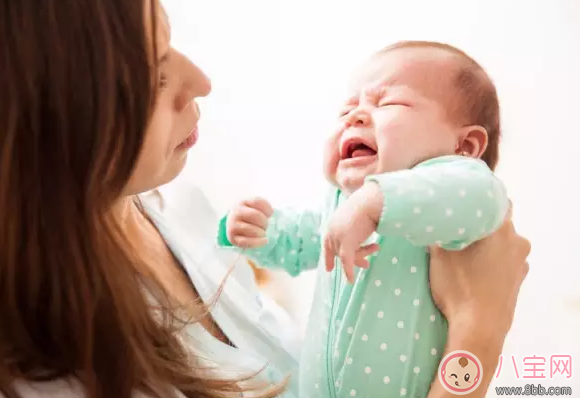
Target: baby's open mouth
[(356, 149)]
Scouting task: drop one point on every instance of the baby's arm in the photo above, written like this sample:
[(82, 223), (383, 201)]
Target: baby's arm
[(451, 201), (293, 241)]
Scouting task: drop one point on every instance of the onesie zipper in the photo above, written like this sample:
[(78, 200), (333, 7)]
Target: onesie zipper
[(331, 332), (331, 327)]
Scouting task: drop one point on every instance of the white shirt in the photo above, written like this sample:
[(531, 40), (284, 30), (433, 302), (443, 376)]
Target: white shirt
[(261, 331)]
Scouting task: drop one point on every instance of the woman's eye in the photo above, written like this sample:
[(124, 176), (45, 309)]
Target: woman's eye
[(162, 80)]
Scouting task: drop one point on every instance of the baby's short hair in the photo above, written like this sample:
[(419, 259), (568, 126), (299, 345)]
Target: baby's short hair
[(476, 102)]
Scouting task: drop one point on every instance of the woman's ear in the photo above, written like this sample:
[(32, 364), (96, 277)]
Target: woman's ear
[(472, 141)]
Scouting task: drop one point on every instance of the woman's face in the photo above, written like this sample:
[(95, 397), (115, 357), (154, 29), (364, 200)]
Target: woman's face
[(172, 130)]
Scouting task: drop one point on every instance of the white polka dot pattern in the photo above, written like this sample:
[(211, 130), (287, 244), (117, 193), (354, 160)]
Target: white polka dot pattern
[(391, 336)]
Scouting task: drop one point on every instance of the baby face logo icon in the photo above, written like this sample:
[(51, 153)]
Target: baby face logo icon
[(460, 372)]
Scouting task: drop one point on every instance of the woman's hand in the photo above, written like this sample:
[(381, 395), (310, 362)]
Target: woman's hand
[(481, 283), (476, 289)]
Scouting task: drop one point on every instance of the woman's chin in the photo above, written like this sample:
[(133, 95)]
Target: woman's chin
[(150, 181), (174, 169)]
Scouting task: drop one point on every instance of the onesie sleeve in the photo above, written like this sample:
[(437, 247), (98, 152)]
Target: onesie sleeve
[(450, 201), (293, 241)]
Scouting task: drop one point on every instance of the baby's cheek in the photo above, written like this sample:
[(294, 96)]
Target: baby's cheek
[(393, 137), (394, 155), (330, 166), (330, 156)]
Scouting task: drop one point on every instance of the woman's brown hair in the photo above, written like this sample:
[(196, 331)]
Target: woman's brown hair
[(75, 98)]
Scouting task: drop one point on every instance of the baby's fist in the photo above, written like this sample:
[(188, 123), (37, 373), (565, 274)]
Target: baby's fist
[(247, 223)]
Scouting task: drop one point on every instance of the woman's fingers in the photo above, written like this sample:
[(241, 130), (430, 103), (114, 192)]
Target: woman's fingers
[(509, 213), (486, 276), (526, 246)]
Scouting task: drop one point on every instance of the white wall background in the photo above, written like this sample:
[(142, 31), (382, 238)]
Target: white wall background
[(279, 67)]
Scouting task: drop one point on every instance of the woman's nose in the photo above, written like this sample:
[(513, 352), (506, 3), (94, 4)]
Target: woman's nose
[(196, 84)]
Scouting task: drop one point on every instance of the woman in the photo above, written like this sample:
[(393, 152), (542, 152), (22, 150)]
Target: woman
[(100, 296)]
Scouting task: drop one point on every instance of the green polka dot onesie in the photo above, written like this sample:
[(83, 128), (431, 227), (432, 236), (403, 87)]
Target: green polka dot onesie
[(383, 336)]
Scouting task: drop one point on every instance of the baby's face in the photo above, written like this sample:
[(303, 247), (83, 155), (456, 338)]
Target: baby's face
[(461, 377), (394, 119)]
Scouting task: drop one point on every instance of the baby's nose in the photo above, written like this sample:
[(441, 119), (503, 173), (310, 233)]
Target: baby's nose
[(359, 118), (362, 118)]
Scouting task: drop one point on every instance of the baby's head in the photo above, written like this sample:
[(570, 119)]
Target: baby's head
[(461, 373), (411, 102)]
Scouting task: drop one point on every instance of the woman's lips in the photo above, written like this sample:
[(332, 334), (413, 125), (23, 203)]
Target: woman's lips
[(191, 139)]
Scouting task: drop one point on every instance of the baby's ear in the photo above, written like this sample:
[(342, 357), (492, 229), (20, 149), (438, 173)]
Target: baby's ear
[(472, 141)]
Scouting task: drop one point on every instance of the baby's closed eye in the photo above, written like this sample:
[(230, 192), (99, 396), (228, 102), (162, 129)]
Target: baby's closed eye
[(393, 102), (345, 111)]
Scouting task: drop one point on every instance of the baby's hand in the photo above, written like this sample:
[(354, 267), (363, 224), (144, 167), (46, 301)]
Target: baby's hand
[(247, 223), (350, 226)]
